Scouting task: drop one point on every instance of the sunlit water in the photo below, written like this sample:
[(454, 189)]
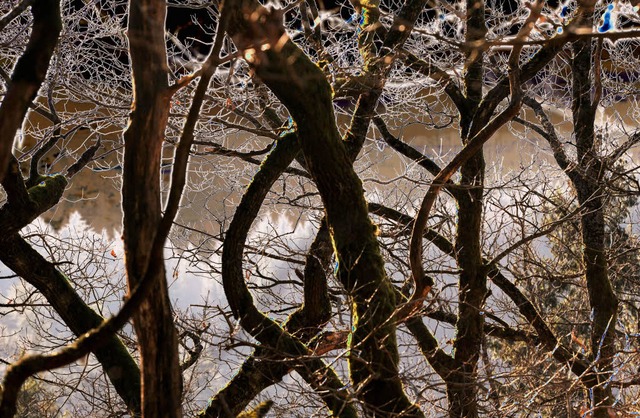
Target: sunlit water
[(90, 211)]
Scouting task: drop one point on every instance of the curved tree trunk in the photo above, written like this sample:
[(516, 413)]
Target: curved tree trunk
[(302, 87), (315, 371)]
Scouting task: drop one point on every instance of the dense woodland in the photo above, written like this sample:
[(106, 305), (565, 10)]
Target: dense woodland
[(374, 208)]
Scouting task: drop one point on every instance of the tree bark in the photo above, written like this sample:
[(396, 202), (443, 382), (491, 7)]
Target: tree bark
[(153, 322), (462, 385), (587, 181)]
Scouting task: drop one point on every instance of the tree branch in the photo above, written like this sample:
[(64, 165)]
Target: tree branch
[(422, 283), (28, 74), (413, 154), (265, 330), (15, 12), (122, 370)]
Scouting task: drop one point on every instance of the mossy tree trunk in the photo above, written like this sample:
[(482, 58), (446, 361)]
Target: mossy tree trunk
[(22, 207), (303, 88)]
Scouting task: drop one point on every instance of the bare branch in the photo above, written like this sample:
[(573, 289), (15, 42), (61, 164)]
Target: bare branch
[(28, 74), (15, 12)]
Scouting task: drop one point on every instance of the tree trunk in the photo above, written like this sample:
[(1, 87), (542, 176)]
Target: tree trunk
[(587, 180), (157, 338), (303, 89), (462, 386)]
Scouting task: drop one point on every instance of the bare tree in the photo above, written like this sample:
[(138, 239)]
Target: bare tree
[(426, 292)]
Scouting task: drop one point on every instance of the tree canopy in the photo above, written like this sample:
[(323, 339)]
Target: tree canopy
[(351, 208)]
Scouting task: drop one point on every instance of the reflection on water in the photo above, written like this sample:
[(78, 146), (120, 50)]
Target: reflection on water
[(218, 180), (95, 192)]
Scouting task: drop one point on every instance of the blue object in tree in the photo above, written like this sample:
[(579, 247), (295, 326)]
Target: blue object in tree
[(354, 18), (289, 128), (606, 20)]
